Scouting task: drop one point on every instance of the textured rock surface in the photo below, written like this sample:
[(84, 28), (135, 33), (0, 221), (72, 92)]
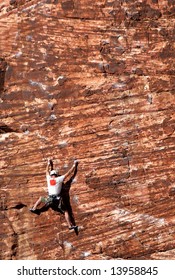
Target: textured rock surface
[(92, 80)]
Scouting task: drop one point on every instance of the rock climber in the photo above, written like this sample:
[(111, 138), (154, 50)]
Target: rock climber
[(54, 184)]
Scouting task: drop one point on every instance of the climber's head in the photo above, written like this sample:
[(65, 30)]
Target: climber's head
[(53, 173)]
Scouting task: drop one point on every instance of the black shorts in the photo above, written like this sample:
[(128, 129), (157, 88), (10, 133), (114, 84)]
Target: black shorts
[(53, 200)]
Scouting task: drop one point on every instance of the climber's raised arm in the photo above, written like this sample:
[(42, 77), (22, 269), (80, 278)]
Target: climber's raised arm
[(71, 169), (48, 166)]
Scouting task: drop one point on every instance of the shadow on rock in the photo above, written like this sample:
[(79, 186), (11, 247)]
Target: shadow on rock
[(66, 198)]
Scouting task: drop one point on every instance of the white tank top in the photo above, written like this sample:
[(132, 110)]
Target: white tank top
[(54, 184)]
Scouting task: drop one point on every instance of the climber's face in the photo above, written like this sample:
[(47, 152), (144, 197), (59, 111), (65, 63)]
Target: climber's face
[(53, 176)]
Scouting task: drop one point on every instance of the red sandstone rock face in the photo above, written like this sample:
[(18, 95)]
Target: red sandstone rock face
[(92, 80)]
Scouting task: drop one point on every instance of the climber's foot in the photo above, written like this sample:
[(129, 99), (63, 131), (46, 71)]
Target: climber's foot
[(73, 227), (35, 211)]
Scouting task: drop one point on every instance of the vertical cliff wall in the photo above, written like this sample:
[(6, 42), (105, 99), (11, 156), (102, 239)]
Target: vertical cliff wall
[(92, 80)]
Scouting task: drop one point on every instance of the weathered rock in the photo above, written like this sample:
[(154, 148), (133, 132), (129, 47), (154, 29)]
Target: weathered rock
[(92, 80)]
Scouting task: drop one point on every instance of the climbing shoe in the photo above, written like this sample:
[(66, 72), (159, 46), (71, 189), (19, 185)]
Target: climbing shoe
[(73, 227), (35, 211)]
